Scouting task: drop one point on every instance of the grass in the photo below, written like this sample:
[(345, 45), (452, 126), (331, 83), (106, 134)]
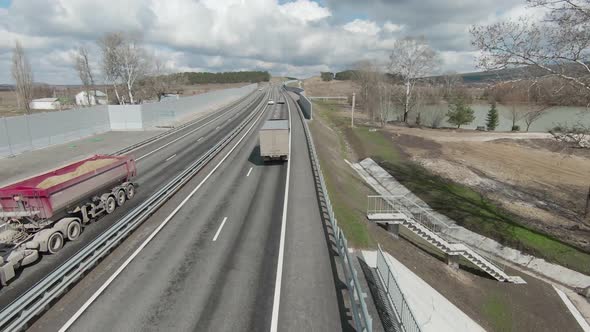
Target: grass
[(467, 207), (498, 313), (347, 193)]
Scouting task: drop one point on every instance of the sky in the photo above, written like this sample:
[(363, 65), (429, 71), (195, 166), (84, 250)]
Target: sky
[(296, 38)]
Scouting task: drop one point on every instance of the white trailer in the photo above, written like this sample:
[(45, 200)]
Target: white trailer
[(274, 140)]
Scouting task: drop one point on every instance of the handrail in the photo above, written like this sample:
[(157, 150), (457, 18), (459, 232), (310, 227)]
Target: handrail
[(395, 295), (395, 204)]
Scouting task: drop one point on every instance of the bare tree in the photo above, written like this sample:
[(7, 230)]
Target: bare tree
[(82, 65), (450, 80), (366, 74), (23, 77), (156, 82), (556, 47), (111, 69), (411, 59)]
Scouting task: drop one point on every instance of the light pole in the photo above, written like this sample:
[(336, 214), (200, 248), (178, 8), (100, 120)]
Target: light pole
[(352, 115)]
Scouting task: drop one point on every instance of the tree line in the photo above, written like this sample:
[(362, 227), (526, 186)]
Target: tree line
[(225, 77)]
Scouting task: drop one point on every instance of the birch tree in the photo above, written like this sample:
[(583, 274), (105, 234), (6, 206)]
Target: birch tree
[(84, 70), (23, 77), (411, 59), (132, 62)]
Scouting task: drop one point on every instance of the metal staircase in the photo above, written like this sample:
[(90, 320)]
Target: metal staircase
[(392, 213)]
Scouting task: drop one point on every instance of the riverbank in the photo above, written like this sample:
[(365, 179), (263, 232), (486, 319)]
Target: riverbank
[(510, 192)]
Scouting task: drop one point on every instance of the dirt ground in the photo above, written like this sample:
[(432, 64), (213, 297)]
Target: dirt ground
[(314, 86), (527, 175), (495, 306)]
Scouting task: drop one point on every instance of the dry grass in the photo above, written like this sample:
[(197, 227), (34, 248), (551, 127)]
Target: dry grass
[(314, 86)]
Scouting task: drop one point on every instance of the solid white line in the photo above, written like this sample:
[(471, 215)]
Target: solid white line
[(172, 156), (574, 311), (104, 286), (219, 230), (200, 139), (178, 138), (277, 298), (249, 172), (217, 127)]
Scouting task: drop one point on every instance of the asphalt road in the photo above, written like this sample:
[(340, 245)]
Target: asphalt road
[(157, 163), (213, 267)]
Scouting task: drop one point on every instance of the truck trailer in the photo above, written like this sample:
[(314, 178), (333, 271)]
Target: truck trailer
[(40, 213), (274, 140)]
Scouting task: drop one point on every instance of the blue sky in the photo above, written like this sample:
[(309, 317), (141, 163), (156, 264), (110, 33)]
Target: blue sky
[(5, 3)]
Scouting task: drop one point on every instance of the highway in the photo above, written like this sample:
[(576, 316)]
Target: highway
[(222, 255), (154, 170)]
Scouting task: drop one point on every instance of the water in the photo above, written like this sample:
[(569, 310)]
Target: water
[(551, 117)]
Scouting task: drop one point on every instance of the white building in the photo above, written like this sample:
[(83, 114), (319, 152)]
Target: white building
[(45, 104), (100, 99)]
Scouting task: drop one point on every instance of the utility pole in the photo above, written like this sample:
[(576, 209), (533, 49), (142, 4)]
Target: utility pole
[(352, 115)]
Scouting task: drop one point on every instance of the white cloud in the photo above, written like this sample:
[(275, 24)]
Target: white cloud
[(305, 10), (391, 27), (362, 27)]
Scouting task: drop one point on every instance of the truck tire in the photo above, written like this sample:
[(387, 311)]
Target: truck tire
[(110, 204), (55, 242), (130, 191), (74, 230), (121, 197)]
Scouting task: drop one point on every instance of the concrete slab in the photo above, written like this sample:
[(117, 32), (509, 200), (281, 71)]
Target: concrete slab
[(433, 312)]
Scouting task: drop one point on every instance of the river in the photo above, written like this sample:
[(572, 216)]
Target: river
[(551, 117)]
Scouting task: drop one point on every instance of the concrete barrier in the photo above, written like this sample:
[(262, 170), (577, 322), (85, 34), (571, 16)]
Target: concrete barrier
[(304, 103), (35, 131)]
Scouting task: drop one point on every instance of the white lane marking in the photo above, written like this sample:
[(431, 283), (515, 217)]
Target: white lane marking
[(250, 171), (572, 308), (172, 156), (199, 139), (217, 127), (104, 286), (219, 229), (179, 138), (277, 297)]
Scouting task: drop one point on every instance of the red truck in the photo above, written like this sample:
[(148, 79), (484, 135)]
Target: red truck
[(40, 213)]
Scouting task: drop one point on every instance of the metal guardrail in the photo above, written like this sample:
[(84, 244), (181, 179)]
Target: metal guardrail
[(361, 317), (38, 298), (395, 295)]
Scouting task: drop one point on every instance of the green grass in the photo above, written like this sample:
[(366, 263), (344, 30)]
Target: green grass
[(467, 207), (498, 313), (344, 190)]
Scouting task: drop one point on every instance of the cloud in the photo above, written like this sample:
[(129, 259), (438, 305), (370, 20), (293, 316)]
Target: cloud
[(298, 37), (362, 27)]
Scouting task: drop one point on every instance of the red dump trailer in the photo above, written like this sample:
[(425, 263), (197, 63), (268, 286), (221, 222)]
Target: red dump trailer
[(40, 213)]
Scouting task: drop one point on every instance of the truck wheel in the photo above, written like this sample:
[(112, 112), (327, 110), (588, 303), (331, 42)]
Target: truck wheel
[(130, 190), (121, 197), (110, 204), (55, 242), (74, 230)]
